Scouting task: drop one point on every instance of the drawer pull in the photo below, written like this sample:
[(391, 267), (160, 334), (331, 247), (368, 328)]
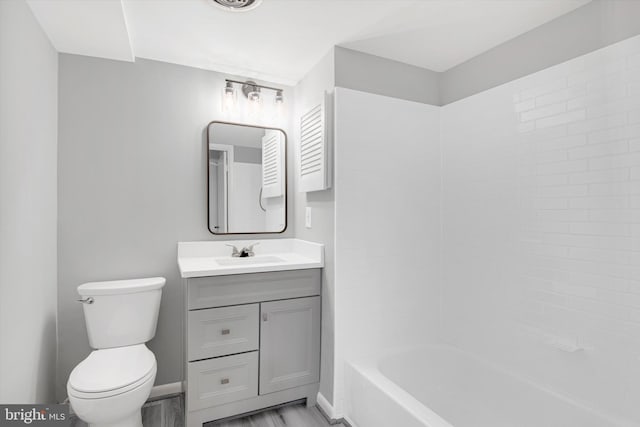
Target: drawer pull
[(224, 381), (226, 331), (265, 317)]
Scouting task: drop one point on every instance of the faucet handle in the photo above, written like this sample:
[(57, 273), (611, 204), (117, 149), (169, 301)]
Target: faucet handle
[(248, 250), (235, 252)]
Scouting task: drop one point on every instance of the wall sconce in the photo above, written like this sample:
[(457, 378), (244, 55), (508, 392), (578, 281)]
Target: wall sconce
[(253, 92)]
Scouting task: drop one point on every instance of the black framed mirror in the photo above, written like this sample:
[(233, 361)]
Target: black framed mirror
[(246, 179)]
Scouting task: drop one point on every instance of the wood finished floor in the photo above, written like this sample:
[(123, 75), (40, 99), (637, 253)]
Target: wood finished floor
[(287, 416), (170, 413)]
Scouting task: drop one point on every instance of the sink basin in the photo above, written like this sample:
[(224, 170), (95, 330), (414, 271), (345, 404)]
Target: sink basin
[(267, 259)]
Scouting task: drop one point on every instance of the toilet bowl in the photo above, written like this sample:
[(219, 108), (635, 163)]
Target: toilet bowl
[(109, 387)]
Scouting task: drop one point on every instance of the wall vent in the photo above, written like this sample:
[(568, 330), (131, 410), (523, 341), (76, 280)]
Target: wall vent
[(314, 154), (272, 164)]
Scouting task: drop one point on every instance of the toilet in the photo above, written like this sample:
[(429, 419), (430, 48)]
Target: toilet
[(109, 387)]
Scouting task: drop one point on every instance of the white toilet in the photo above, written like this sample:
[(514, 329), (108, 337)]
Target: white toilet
[(109, 387)]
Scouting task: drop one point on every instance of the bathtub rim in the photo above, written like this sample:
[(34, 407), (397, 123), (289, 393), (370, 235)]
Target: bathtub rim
[(370, 367)]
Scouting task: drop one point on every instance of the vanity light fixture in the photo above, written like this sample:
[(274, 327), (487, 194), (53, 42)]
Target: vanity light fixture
[(253, 92)]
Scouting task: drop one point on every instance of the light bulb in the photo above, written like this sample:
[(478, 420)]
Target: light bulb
[(279, 103), (228, 97), (255, 101)]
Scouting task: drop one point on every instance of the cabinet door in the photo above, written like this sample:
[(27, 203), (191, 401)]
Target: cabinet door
[(289, 343)]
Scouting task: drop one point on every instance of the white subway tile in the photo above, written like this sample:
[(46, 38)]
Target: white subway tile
[(598, 150), (550, 227), (616, 106), (563, 215), (561, 143), (563, 191), (525, 105), (599, 202), (600, 255), (599, 176), (561, 95), (546, 111), (634, 144), (615, 215), (565, 167), (526, 127), (599, 123), (550, 156), (572, 116), (601, 229), (598, 97), (614, 162), (550, 203), (633, 61), (544, 89), (615, 188)]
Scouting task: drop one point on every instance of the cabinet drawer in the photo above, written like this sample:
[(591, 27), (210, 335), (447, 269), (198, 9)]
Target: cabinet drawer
[(219, 291), (218, 381), (221, 331)]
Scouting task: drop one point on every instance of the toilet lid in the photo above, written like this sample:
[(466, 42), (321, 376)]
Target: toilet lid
[(112, 369)]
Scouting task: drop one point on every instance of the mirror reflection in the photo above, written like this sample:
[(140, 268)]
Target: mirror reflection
[(246, 179)]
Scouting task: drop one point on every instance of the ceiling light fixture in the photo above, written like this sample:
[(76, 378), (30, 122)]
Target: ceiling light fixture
[(237, 5)]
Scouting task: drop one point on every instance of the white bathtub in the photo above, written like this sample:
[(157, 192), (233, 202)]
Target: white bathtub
[(439, 386)]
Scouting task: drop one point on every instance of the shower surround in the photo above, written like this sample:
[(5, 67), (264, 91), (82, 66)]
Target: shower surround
[(533, 190)]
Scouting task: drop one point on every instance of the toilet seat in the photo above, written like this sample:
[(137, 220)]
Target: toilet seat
[(112, 371)]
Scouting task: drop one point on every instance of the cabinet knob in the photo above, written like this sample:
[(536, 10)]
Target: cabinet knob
[(225, 332), (224, 381), (265, 317)]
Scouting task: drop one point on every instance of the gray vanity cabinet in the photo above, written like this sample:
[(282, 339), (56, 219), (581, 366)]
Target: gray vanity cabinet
[(252, 341)]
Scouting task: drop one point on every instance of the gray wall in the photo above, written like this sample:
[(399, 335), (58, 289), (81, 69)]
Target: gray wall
[(590, 27), (373, 74), (28, 206), (309, 93), (131, 186)]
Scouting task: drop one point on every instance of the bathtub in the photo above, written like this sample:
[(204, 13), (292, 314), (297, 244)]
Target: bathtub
[(439, 386)]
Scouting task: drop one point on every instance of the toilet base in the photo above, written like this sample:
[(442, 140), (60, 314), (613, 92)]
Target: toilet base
[(133, 420)]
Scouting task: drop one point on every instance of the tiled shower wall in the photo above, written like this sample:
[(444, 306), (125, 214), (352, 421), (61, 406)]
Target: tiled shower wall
[(541, 227)]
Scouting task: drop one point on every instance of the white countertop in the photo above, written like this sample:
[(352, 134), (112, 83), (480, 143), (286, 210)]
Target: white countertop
[(201, 259)]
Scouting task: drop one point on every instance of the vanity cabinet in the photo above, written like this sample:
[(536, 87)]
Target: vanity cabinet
[(252, 341)]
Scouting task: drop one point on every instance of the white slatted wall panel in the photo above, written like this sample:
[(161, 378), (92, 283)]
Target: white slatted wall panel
[(272, 164), (314, 148)]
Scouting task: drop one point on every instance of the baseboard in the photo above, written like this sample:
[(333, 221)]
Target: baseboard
[(328, 411), (348, 423), (163, 390), (326, 408)]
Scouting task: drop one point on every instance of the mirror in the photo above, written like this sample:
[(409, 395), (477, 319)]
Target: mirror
[(247, 179)]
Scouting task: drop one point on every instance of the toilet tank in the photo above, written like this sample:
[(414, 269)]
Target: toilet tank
[(121, 312)]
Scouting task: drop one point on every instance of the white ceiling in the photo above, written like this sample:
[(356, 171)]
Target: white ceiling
[(282, 39)]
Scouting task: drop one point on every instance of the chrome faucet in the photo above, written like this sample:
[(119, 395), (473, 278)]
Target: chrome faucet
[(247, 251)]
